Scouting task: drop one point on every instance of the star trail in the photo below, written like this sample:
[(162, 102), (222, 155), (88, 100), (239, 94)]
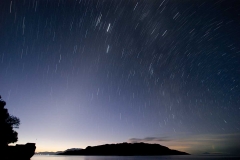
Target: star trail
[(89, 72)]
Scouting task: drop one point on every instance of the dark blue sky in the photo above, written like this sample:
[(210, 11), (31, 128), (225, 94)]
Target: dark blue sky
[(89, 72)]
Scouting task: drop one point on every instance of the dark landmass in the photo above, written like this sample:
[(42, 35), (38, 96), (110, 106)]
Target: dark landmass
[(58, 152), (125, 149), (48, 153), (20, 151), (9, 135), (73, 149)]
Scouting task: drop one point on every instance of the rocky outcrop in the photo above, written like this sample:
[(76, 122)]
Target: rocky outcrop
[(23, 152)]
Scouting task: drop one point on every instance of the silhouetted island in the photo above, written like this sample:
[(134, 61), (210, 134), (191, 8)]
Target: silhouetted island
[(126, 149), (58, 152)]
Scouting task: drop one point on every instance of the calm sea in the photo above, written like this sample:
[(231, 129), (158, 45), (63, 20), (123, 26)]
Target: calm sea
[(54, 157)]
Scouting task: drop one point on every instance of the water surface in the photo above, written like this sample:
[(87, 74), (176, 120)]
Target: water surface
[(56, 157)]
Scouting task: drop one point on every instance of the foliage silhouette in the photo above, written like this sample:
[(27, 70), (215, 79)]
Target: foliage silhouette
[(7, 123)]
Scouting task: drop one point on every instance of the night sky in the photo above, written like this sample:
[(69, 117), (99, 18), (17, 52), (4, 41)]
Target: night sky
[(90, 72)]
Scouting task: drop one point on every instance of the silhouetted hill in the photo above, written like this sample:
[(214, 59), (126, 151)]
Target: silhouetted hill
[(72, 149), (58, 152), (126, 149), (48, 153)]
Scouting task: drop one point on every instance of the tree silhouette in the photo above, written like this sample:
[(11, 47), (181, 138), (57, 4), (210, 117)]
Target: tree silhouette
[(7, 123)]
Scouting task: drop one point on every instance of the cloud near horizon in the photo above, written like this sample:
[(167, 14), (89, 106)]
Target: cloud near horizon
[(199, 144), (148, 139)]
